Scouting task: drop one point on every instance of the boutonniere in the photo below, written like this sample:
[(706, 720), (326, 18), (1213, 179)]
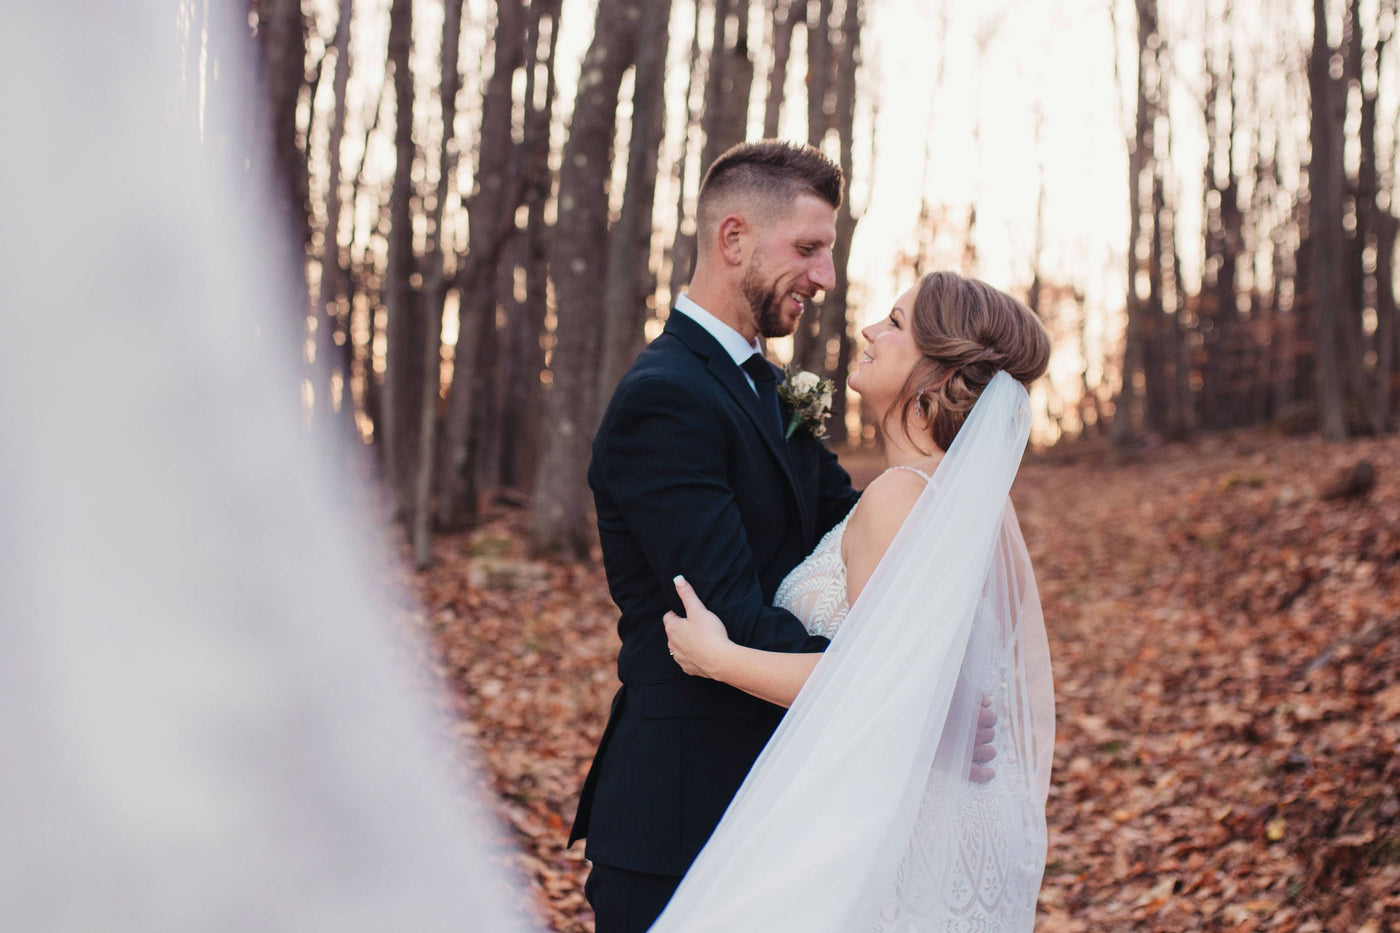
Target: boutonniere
[(809, 397)]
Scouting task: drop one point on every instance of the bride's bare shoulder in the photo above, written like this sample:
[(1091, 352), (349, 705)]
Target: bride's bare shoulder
[(881, 510)]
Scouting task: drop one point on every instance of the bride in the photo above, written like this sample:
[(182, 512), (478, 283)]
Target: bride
[(867, 810)]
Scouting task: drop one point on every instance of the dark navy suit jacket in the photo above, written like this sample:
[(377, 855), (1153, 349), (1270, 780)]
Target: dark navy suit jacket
[(690, 478)]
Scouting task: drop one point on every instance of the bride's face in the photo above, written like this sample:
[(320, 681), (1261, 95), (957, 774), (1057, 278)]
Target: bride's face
[(890, 354)]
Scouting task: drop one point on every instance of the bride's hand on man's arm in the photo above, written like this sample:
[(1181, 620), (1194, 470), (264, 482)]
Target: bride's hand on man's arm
[(698, 640), (701, 646)]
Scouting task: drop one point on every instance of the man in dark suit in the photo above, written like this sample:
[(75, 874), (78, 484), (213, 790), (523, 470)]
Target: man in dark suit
[(691, 474)]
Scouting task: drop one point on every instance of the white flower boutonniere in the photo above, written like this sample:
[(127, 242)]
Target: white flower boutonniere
[(809, 397)]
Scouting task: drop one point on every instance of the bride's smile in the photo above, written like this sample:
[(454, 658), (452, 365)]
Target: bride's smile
[(889, 356)]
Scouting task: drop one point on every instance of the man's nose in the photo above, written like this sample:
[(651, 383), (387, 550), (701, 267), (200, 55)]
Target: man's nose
[(824, 275)]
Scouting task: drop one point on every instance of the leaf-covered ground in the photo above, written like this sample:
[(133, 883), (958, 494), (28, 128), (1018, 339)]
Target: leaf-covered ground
[(1226, 643)]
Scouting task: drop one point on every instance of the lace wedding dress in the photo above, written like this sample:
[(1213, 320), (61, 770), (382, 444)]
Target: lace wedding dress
[(815, 590), (983, 890), (860, 815)]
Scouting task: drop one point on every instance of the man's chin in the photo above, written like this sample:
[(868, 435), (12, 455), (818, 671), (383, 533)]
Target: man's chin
[(780, 325)]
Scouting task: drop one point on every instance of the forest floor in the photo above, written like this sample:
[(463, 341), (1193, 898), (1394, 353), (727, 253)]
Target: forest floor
[(1226, 646)]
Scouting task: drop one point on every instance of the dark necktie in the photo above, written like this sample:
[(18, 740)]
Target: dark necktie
[(766, 383)]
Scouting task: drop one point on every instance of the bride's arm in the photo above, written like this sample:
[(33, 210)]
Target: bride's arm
[(701, 645)]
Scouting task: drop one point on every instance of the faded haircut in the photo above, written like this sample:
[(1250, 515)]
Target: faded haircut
[(766, 177)]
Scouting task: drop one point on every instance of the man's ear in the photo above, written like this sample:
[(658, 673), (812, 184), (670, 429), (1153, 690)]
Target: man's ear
[(732, 236)]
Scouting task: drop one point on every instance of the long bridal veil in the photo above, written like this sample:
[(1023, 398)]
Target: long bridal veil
[(209, 718), (861, 813)]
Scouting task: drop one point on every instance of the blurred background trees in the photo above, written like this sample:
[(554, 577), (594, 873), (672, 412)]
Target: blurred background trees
[(493, 223)]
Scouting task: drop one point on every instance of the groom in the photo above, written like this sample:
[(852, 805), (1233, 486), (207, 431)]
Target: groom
[(691, 474)]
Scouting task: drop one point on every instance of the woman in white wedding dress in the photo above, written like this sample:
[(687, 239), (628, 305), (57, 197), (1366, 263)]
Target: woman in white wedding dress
[(867, 810)]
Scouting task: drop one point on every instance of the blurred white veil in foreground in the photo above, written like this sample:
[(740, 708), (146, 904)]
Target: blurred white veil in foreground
[(207, 719)]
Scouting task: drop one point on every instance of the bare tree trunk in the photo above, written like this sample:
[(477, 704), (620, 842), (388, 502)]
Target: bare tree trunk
[(683, 245), (1325, 180), (1264, 300), (1285, 333), (820, 73), (1210, 306), (560, 520), (1224, 398), (1357, 284), (434, 291), (630, 280), (833, 331), (848, 216), (1181, 414), (1233, 335), (1139, 153), (525, 357), (1383, 392), (1033, 293), (403, 370), (484, 452), (491, 209), (282, 30), (1387, 227), (1091, 415), (333, 266), (1169, 399), (1364, 73), (786, 14), (809, 342), (729, 83), (358, 355), (1157, 347), (1265, 309)]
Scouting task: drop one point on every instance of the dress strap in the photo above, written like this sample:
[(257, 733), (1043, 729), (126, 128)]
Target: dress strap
[(926, 476)]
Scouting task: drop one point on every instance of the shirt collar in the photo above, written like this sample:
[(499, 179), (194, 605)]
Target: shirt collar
[(733, 342)]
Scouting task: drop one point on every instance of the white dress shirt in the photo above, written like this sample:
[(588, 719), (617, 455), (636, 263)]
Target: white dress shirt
[(733, 342)]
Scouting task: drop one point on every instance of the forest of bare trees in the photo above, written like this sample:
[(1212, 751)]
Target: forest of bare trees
[(1293, 318), (487, 242)]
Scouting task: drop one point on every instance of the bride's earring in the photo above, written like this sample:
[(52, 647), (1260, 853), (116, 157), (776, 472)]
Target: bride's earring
[(923, 405)]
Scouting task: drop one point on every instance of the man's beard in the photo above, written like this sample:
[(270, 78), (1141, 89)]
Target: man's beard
[(766, 304)]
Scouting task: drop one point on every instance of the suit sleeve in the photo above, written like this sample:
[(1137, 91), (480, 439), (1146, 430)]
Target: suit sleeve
[(665, 470)]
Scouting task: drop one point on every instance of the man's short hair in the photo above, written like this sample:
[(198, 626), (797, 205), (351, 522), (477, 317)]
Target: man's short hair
[(767, 177)]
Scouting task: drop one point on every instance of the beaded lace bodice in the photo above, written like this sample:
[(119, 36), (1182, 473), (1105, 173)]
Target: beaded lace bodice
[(815, 590)]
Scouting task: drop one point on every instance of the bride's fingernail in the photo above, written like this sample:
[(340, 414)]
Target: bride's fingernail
[(678, 580)]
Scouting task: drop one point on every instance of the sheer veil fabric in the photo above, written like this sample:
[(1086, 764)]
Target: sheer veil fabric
[(859, 814), (212, 717)]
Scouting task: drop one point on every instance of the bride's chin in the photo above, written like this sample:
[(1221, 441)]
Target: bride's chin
[(853, 383)]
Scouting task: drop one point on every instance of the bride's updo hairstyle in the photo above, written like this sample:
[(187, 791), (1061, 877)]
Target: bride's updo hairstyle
[(967, 331)]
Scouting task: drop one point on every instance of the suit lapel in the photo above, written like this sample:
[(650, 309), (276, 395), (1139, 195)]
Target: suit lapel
[(729, 375)]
